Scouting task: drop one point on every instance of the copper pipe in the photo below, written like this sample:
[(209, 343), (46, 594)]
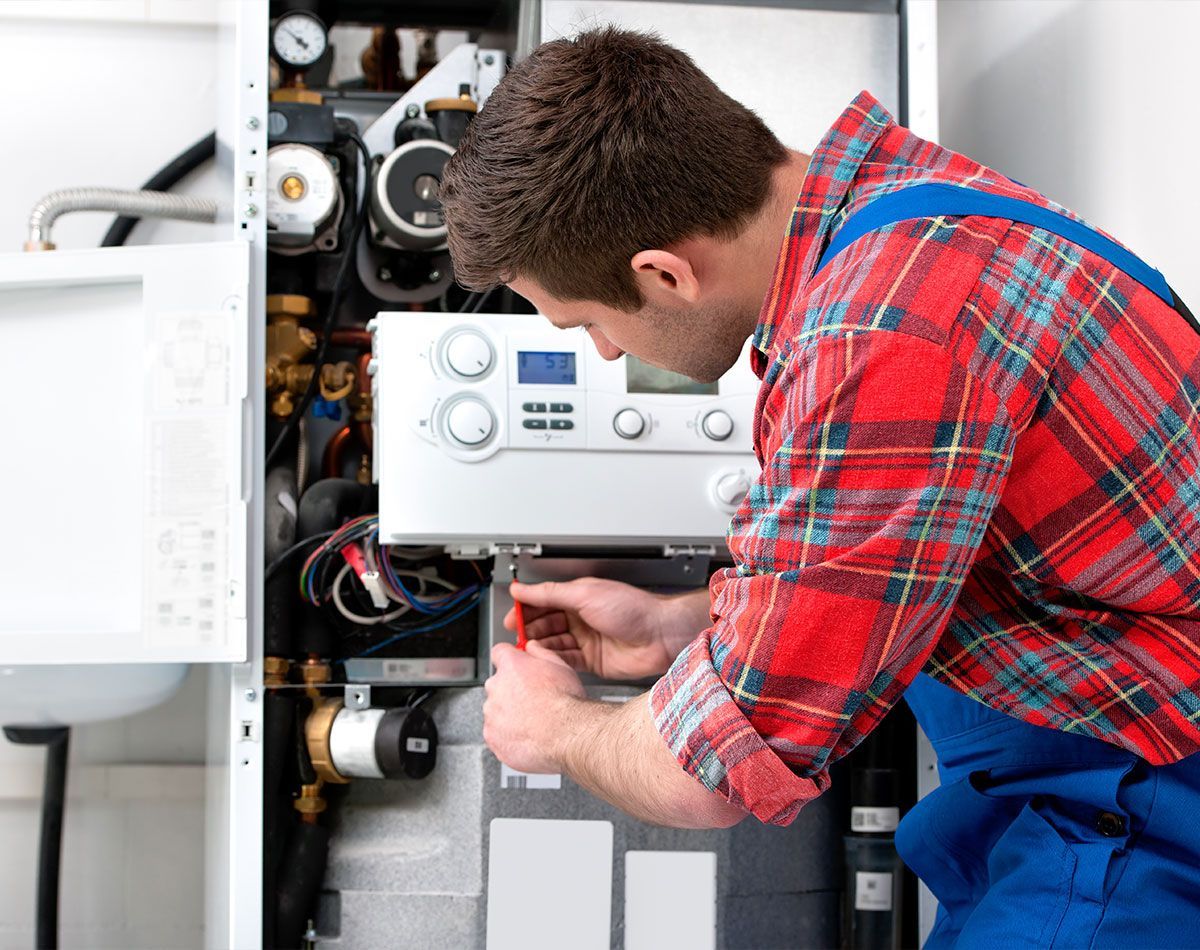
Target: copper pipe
[(364, 431), (347, 336), (335, 453)]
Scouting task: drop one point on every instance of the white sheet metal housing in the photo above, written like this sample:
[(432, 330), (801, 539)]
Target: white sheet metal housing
[(125, 517)]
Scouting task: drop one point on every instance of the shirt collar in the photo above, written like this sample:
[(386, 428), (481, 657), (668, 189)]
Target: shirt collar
[(832, 168)]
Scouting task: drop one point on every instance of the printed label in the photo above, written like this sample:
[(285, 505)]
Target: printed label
[(872, 890), (511, 778), (417, 745), (877, 820)]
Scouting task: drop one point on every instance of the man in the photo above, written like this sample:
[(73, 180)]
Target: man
[(979, 460)]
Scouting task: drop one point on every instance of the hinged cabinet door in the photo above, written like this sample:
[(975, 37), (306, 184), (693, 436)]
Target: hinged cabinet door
[(123, 483)]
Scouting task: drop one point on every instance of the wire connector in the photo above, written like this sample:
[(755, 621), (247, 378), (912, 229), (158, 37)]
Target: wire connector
[(370, 580)]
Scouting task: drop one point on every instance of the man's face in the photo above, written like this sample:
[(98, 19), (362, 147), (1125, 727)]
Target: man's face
[(700, 341)]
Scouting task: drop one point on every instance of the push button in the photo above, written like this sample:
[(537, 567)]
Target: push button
[(1110, 825), (561, 424), (535, 407), (534, 423), (561, 407)]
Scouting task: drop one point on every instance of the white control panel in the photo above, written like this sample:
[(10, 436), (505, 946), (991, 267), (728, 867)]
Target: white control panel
[(504, 429)]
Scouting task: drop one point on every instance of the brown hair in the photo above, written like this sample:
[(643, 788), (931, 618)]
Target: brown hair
[(591, 150)]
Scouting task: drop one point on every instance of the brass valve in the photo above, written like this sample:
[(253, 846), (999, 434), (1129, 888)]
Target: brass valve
[(288, 344), (337, 380)]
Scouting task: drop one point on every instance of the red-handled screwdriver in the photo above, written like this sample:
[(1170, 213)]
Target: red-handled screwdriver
[(522, 638)]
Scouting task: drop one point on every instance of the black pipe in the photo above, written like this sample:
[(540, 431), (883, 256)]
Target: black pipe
[(57, 740), (163, 180), (300, 878), (326, 505), (279, 590)]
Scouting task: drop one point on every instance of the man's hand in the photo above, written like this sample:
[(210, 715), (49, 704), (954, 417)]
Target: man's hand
[(614, 630), (525, 706), (536, 718)]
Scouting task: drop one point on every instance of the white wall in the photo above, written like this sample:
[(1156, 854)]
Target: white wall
[(104, 92), (1089, 101)]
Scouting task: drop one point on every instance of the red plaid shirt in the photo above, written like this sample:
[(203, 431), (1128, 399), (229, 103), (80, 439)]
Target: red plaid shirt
[(979, 459)]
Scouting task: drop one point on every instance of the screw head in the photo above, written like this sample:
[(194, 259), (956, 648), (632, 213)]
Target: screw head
[(252, 123), (250, 695), (489, 60), (384, 274), (435, 276), (412, 110), (250, 211)]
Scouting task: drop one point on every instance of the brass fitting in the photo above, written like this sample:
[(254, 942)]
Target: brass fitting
[(310, 803), (363, 475), (298, 94), (337, 380), (275, 671), (317, 728), (362, 406), (38, 246)]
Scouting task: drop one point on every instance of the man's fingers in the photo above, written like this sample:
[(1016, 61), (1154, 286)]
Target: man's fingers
[(531, 614), (548, 626), (537, 651), (558, 642), (560, 595), (504, 654)]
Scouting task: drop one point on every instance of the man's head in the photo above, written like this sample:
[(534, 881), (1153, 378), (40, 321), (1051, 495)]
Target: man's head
[(602, 181)]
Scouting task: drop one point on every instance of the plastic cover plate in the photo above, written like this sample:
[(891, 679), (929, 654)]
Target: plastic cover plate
[(124, 500)]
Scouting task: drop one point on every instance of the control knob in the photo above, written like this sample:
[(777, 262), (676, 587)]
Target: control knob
[(717, 425), (469, 422), (729, 489), (629, 423), (469, 355)]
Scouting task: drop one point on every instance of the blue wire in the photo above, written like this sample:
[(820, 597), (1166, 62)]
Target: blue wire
[(416, 630)]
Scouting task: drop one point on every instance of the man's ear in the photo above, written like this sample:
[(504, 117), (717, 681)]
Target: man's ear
[(665, 278)]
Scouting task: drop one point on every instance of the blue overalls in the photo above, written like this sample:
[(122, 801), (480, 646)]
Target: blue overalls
[(1036, 837)]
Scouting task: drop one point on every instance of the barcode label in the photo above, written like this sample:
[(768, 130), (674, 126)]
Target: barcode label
[(872, 890), (877, 820), (511, 778)]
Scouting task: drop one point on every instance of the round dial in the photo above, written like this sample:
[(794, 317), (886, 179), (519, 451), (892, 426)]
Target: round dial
[(299, 40), (717, 425), (629, 423), (470, 423), (729, 489), (469, 355)]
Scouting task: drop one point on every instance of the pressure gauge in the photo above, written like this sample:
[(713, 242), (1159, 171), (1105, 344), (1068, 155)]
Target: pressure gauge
[(298, 40)]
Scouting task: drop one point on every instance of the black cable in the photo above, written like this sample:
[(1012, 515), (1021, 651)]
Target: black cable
[(335, 300), (162, 180), (283, 558), (57, 740)]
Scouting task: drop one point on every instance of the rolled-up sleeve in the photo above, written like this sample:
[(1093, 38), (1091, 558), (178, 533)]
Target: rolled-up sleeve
[(883, 460)]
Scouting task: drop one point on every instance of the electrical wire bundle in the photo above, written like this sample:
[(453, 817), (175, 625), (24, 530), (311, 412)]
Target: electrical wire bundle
[(354, 553)]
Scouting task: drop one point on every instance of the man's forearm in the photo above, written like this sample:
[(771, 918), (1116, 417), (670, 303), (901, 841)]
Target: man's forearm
[(617, 754)]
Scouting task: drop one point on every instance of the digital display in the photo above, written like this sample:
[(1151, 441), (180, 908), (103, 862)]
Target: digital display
[(643, 378), (545, 369)]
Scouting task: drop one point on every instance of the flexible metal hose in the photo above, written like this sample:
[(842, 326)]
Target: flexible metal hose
[(138, 204)]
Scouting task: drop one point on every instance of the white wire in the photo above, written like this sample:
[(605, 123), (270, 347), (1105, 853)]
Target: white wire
[(356, 617), (423, 578)]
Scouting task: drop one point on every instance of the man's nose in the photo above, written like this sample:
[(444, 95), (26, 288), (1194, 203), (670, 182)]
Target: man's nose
[(604, 346)]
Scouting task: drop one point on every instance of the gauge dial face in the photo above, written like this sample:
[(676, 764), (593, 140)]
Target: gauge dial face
[(299, 40)]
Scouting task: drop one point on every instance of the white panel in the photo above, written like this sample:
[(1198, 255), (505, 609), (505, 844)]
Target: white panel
[(126, 494), (549, 885), (72, 474), (526, 484), (670, 900), (798, 69)]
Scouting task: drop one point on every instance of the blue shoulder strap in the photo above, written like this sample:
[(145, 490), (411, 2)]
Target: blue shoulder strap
[(934, 200)]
